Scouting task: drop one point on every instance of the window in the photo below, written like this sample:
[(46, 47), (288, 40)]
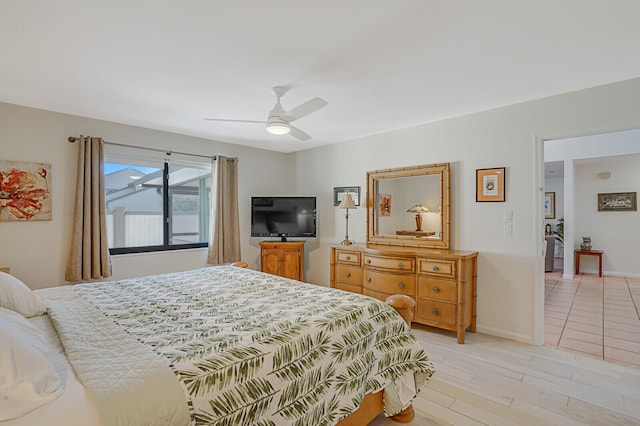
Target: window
[(154, 205)]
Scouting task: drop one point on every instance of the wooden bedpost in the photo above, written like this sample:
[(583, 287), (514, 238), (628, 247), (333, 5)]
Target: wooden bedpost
[(404, 305), (240, 264)]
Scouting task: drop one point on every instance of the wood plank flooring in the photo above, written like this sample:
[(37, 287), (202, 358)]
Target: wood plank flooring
[(494, 381)]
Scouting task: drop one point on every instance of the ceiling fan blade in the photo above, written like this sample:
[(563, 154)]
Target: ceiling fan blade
[(298, 134), (304, 109), (235, 121)]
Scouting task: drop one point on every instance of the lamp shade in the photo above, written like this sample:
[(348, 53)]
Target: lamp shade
[(347, 202), (418, 208)]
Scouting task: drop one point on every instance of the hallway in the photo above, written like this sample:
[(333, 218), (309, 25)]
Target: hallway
[(593, 316)]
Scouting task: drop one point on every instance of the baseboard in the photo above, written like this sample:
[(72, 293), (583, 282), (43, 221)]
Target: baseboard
[(607, 273), (619, 274), (522, 338)]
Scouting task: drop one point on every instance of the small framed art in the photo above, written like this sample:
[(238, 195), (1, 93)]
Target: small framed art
[(384, 204), (617, 202), (339, 193), (549, 205), (490, 184)]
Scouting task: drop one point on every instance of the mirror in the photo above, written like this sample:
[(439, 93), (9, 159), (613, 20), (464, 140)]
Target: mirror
[(409, 206)]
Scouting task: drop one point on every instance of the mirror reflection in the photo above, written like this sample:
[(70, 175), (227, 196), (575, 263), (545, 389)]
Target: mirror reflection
[(409, 206)]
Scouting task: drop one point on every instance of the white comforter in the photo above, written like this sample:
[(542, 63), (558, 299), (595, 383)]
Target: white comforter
[(132, 385)]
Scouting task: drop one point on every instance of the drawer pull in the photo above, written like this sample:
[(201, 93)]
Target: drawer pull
[(434, 311), (436, 289), (348, 257), (368, 260), (401, 285), (368, 280), (348, 274), (400, 265), (435, 267)]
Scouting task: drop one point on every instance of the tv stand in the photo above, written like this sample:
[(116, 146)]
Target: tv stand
[(285, 258)]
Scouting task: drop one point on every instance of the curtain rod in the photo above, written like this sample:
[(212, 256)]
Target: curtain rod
[(73, 139)]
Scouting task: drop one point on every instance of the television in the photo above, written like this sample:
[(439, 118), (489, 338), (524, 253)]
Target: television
[(283, 217)]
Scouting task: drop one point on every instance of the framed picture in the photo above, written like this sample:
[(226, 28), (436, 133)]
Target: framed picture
[(339, 193), (26, 191), (384, 204), (617, 202), (549, 205), (490, 184)]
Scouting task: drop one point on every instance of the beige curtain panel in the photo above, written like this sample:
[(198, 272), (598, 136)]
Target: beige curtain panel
[(89, 257), (224, 235)]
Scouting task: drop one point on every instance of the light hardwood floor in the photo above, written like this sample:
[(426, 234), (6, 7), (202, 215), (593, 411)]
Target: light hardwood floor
[(493, 381)]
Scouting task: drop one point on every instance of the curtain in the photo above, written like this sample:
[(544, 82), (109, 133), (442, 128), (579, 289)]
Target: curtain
[(89, 257), (224, 234)]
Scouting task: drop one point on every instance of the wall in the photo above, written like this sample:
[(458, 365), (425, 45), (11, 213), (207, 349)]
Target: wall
[(617, 233), (510, 269), (37, 252), (556, 185)]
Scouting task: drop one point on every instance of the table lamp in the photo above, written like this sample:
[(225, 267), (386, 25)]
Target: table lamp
[(347, 203), (418, 209)]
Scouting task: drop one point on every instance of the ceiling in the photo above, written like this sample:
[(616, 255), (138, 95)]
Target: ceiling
[(381, 65)]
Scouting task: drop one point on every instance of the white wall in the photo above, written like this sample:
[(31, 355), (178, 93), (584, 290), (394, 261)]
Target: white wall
[(37, 252), (556, 185), (510, 269), (616, 233)]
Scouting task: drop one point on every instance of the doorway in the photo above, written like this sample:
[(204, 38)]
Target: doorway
[(584, 313)]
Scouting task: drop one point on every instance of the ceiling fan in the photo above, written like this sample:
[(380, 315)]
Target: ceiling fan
[(279, 121)]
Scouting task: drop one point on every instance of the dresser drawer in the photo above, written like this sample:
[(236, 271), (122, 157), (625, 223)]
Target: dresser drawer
[(431, 310), (345, 256), (390, 263), (349, 274), (389, 283), (434, 288), (349, 287), (437, 267)]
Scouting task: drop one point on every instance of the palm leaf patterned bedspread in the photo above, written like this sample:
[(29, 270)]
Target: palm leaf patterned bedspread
[(250, 348)]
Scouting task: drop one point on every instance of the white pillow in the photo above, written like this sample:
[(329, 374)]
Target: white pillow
[(27, 379), (15, 295)]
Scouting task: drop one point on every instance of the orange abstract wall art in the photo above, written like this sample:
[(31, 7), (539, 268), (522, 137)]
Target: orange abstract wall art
[(25, 191)]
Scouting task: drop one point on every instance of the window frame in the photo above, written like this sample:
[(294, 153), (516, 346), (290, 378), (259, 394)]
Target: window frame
[(166, 213)]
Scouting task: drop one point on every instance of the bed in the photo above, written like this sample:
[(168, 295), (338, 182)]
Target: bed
[(226, 346)]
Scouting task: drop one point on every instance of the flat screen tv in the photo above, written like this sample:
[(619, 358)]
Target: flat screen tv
[(284, 217)]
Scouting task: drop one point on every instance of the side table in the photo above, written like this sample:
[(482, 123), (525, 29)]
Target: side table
[(597, 253)]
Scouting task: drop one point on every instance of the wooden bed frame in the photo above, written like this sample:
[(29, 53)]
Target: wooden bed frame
[(372, 405)]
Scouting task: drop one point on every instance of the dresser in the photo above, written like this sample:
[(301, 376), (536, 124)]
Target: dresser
[(285, 259), (443, 282)]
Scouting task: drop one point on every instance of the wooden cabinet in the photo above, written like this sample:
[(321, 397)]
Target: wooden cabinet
[(443, 282), (285, 259)]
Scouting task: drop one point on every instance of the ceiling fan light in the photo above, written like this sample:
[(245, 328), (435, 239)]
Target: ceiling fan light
[(278, 128)]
